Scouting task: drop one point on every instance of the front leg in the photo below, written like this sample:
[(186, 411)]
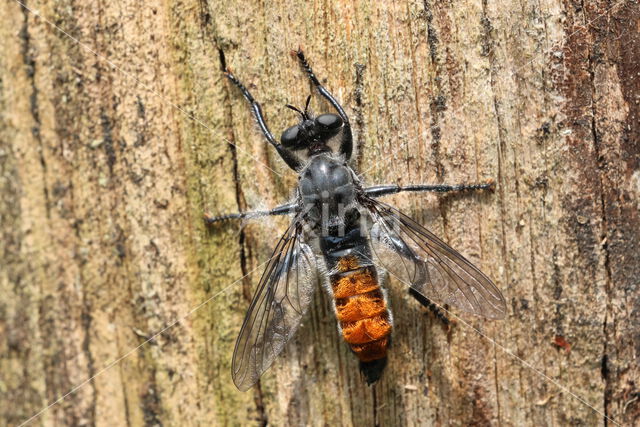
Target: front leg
[(346, 145), (289, 158)]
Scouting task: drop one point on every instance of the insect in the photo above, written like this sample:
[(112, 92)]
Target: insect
[(343, 235)]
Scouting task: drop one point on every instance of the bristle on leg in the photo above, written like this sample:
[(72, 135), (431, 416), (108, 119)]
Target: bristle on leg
[(427, 303)]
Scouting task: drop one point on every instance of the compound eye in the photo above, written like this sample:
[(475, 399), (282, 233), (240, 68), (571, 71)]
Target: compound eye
[(329, 121), (289, 137)]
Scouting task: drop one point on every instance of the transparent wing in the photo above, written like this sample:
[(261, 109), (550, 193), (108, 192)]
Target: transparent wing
[(282, 297), (432, 268)]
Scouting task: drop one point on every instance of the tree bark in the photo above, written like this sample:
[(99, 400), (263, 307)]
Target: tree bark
[(118, 130)]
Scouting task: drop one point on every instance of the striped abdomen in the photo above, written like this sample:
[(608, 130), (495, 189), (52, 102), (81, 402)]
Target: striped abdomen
[(362, 310)]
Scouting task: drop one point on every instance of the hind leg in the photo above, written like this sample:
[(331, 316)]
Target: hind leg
[(435, 310)]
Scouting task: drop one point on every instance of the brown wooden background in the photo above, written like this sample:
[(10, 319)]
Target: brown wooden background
[(116, 137)]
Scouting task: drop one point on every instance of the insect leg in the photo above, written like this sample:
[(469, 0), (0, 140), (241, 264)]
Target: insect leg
[(346, 145), (280, 210), (426, 302), (384, 190), (290, 159)]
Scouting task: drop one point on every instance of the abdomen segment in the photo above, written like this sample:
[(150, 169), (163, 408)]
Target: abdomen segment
[(362, 311)]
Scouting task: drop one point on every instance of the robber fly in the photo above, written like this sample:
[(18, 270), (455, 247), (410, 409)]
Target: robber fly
[(342, 234)]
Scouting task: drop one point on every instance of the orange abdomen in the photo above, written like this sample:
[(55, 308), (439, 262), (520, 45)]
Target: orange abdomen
[(361, 309)]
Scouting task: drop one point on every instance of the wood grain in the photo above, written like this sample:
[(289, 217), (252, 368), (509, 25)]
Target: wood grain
[(118, 130)]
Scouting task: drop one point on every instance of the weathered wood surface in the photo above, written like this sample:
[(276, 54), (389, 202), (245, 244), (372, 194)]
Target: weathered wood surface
[(113, 143)]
